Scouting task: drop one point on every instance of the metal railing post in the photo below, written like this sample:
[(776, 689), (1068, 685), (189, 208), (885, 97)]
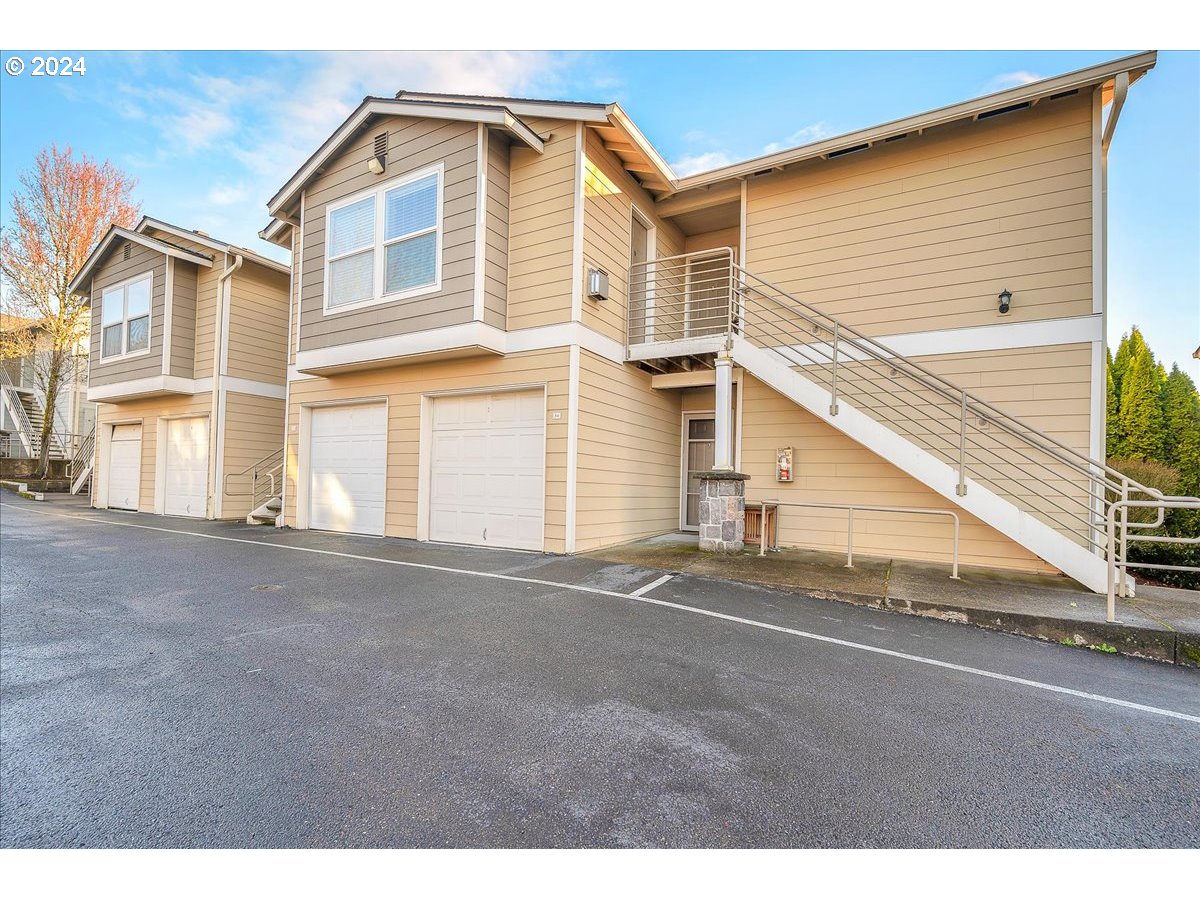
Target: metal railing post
[(1122, 579), (961, 490), (850, 539), (833, 388)]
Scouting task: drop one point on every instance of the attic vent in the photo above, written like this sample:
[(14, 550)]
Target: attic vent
[(895, 137), (1062, 94), (846, 151), (1003, 110), (381, 145), (128, 248)]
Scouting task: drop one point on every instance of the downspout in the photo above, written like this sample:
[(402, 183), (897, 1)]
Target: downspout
[(217, 415)]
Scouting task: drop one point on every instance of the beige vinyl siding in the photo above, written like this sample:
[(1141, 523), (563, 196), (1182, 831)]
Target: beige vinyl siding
[(148, 412), (830, 467), (403, 387), (711, 240), (258, 324), (609, 196), (495, 289), (115, 270), (207, 307), (541, 225), (253, 429), (627, 482), (923, 233), (181, 355), (413, 144)]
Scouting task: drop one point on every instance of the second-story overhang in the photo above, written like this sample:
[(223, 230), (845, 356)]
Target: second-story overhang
[(147, 387), (493, 116)]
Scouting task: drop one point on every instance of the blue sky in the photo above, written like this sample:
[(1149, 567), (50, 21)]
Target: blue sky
[(211, 135)]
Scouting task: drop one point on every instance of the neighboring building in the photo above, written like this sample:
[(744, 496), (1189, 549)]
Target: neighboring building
[(187, 364), (513, 326), (24, 399)]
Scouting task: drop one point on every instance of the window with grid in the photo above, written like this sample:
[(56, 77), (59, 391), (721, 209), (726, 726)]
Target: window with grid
[(386, 245), (125, 318)]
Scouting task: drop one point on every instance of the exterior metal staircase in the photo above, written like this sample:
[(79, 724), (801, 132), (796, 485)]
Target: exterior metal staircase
[(83, 463), (262, 482), (1047, 496), (26, 413)]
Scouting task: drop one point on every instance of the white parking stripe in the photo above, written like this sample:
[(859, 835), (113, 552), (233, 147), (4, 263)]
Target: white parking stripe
[(853, 645), (647, 588)]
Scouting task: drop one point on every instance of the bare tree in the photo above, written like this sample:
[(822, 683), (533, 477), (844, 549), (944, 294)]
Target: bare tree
[(62, 208)]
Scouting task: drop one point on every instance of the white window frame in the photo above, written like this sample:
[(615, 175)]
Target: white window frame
[(124, 323), (380, 249)]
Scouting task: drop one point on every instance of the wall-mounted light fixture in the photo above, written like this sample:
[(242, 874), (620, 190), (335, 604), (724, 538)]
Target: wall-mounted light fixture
[(375, 165), (1005, 301)]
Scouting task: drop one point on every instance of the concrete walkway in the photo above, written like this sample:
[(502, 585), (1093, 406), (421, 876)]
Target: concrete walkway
[(1161, 623)]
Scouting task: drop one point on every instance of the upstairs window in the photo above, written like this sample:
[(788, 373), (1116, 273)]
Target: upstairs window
[(125, 318), (386, 245)]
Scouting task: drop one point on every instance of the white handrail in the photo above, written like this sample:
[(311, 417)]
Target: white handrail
[(1118, 564), (851, 508)]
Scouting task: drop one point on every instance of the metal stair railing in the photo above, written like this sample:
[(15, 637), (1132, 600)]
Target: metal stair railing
[(265, 477), (82, 463), (689, 295), (16, 412)]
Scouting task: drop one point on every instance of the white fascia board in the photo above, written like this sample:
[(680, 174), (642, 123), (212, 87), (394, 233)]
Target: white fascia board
[(144, 387), (682, 347), (497, 116), (210, 242), (145, 240), (488, 338)]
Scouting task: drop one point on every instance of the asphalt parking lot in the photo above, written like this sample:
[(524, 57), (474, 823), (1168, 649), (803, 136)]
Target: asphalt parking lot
[(167, 682)]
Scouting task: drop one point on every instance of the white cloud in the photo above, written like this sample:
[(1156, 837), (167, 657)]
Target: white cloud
[(692, 163), (1011, 79), (226, 194), (817, 131)]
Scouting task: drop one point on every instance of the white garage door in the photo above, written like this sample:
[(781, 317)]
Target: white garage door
[(187, 467), (125, 467), (487, 469), (347, 459)]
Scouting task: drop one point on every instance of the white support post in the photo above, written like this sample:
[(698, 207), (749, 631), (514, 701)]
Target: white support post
[(723, 451)]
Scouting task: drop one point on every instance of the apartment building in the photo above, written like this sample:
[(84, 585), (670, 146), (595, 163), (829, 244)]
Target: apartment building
[(512, 325), (187, 366)]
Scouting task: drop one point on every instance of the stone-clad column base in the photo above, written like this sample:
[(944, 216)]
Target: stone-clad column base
[(723, 511)]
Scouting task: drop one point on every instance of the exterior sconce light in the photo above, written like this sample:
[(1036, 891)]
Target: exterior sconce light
[(1005, 301), (375, 165)]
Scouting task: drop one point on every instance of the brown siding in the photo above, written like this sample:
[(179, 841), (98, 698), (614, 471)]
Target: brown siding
[(114, 270), (258, 325), (627, 482), (609, 196), (495, 298), (181, 356), (541, 223), (923, 233), (403, 387), (413, 144)]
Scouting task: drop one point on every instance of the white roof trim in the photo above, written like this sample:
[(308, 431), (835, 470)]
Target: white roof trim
[(968, 109), (489, 114), (534, 109), (116, 231), (210, 242)]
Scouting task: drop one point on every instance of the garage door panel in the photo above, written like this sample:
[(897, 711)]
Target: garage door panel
[(125, 467), (487, 470), (186, 477), (348, 464)]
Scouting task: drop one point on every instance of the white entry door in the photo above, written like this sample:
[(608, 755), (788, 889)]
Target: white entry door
[(125, 467), (347, 461), (186, 476), (487, 469)]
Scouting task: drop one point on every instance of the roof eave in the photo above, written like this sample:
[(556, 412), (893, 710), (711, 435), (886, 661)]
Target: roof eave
[(1137, 65), (115, 231)]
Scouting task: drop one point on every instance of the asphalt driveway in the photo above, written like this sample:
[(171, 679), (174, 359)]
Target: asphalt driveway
[(229, 687)]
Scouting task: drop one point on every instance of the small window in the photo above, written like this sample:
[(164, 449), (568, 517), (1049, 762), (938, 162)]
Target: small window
[(387, 245), (125, 318)]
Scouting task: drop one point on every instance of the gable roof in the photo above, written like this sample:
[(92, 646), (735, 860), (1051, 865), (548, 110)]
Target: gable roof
[(492, 115), (208, 241), (116, 231)]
